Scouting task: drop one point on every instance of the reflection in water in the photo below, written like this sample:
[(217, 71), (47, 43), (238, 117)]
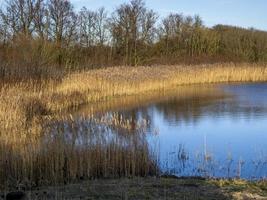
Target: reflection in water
[(137, 102), (204, 130), (215, 130), (76, 149), (195, 109)]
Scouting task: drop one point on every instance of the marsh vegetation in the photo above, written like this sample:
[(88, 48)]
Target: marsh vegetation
[(84, 95), (122, 137)]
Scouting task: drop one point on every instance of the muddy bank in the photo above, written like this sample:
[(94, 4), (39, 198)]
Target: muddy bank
[(153, 188)]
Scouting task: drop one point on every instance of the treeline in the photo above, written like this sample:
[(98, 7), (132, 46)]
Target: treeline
[(40, 36)]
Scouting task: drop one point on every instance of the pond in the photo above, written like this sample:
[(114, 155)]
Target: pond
[(208, 130)]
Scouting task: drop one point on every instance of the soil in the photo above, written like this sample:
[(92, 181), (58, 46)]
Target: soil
[(152, 188)]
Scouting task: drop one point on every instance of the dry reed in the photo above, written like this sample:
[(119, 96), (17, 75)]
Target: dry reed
[(26, 107), (23, 102), (103, 84), (76, 149)]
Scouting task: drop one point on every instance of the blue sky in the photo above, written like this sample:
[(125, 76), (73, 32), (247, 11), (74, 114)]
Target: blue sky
[(244, 13)]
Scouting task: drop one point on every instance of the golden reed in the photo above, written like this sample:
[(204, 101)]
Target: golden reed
[(26, 108), (21, 103)]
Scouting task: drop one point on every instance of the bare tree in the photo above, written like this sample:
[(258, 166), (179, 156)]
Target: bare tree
[(172, 25), (101, 26), (3, 29), (19, 16), (33, 28), (93, 27), (87, 27), (148, 29), (130, 24), (63, 21), (42, 20), (171, 30)]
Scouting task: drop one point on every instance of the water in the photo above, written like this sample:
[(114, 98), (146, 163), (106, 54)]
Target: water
[(208, 130), (199, 130), (227, 129), (204, 130)]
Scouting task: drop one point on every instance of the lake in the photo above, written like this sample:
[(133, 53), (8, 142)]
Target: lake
[(200, 130)]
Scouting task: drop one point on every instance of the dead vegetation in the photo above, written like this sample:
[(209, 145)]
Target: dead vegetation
[(26, 108)]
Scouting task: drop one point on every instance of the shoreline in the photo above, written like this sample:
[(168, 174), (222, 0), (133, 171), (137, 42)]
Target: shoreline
[(118, 82), (29, 103), (151, 188), (25, 108)]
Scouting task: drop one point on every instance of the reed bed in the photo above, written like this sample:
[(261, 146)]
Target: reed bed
[(102, 84), (27, 107), (70, 150), (27, 100)]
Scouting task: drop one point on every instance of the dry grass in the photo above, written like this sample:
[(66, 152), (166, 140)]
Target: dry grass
[(102, 84), (26, 107), (23, 102), (76, 149)]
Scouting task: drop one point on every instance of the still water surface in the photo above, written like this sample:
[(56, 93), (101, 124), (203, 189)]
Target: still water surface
[(208, 130), (217, 135)]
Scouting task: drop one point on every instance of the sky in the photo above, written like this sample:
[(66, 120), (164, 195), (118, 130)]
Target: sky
[(243, 13)]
